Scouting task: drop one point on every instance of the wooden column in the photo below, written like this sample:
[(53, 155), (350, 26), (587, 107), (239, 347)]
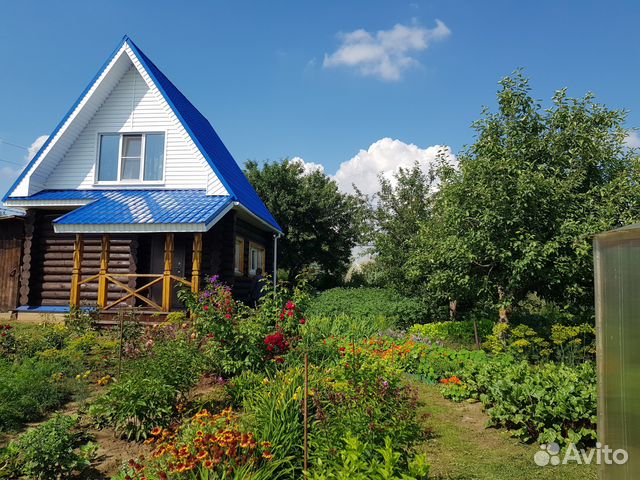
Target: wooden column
[(25, 271), (78, 246), (103, 284), (168, 265), (197, 261)]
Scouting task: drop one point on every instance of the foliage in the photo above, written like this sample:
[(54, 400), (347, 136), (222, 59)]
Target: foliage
[(355, 462), (81, 320), (45, 336), (7, 341), (206, 447), (50, 451), (321, 224), (274, 412), (367, 303), (566, 344), (31, 387), (461, 331), (545, 403), (399, 207), (363, 394), (150, 391), (518, 212)]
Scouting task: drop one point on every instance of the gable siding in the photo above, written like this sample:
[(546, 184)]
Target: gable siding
[(134, 106)]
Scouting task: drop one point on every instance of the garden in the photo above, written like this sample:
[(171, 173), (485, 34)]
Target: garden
[(270, 392)]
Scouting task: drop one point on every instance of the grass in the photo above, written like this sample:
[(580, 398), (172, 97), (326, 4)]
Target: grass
[(460, 447)]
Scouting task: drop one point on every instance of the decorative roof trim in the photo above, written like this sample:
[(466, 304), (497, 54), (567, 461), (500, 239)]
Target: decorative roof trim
[(130, 227)]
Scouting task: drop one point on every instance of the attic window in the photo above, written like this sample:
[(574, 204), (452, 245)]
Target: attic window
[(131, 157)]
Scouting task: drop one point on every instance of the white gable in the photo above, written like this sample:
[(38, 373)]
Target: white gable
[(123, 99)]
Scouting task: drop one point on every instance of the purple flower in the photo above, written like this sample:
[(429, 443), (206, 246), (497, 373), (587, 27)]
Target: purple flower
[(385, 384)]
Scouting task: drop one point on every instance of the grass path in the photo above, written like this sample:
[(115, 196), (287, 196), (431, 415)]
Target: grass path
[(460, 447)]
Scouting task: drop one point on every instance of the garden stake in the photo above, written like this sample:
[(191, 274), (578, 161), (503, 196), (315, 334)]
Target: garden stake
[(120, 349), (306, 411)]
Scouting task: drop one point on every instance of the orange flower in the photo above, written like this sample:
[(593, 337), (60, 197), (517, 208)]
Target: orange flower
[(267, 455), (156, 431)]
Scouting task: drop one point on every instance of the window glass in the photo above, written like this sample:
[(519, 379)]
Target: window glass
[(108, 158), (153, 156), (239, 256), (131, 157)]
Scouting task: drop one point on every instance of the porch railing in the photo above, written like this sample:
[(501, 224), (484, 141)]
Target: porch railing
[(104, 278)]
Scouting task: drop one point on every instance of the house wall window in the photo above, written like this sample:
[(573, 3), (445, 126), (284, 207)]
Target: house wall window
[(131, 157), (239, 256), (256, 258)]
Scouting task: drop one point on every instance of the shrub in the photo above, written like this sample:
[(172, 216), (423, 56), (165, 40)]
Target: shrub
[(369, 303), (452, 332), (37, 338), (7, 341), (30, 388), (357, 461), (51, 450)]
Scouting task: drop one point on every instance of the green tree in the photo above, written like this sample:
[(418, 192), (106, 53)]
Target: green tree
[(519, 213), (321, 224)]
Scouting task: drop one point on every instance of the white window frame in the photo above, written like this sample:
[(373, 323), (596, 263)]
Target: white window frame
[(239, 256), (140, 180), (257, 247)]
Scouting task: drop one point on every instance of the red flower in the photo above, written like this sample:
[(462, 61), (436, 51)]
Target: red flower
[(290, 313), (228, 316), (302, 321), (290, 305), (206, 308), (279, 360)]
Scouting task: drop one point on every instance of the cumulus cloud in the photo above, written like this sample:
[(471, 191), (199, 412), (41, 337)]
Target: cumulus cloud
[(632, 139), (36, 146), (385, 54), (385, 157), (309, 167)]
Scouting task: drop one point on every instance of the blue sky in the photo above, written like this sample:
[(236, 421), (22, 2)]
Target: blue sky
[(285, 79)]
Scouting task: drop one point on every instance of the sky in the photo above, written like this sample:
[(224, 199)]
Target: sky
[(356, 88)]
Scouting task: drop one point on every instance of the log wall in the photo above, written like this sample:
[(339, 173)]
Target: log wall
[(51, 263)]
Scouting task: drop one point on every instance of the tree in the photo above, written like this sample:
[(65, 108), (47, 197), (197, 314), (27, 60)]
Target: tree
[(519, 214), (321, 224)]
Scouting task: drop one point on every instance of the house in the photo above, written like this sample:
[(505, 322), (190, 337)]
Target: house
[(133, 195)]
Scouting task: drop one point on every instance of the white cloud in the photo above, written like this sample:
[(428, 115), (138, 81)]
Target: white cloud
[(309, 167), (386, 53), (385, 157), (8, 174), (36, 145), (632, 139)]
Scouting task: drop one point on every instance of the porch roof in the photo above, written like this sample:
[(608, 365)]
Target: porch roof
[(124, 211)]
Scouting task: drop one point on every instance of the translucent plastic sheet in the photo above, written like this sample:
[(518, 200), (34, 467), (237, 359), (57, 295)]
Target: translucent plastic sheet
[(617, 284)]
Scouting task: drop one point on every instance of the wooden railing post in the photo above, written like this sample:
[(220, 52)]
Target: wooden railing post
[(197, 260), (166, 280), (78, 246), (103, 283)]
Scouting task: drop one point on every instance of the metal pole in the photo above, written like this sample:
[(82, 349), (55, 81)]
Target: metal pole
[(275, 263)]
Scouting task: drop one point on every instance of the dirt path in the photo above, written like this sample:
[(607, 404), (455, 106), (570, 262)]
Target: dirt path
[(460, 447)]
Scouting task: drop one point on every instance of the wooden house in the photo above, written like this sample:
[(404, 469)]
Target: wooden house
[(133, 195)]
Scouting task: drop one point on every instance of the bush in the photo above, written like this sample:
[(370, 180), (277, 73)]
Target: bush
[(32, 387), (367, 303), (51, 450), (452, 332)]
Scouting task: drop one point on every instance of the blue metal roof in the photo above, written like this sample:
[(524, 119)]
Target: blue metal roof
[(202, 133), (122, 207)]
